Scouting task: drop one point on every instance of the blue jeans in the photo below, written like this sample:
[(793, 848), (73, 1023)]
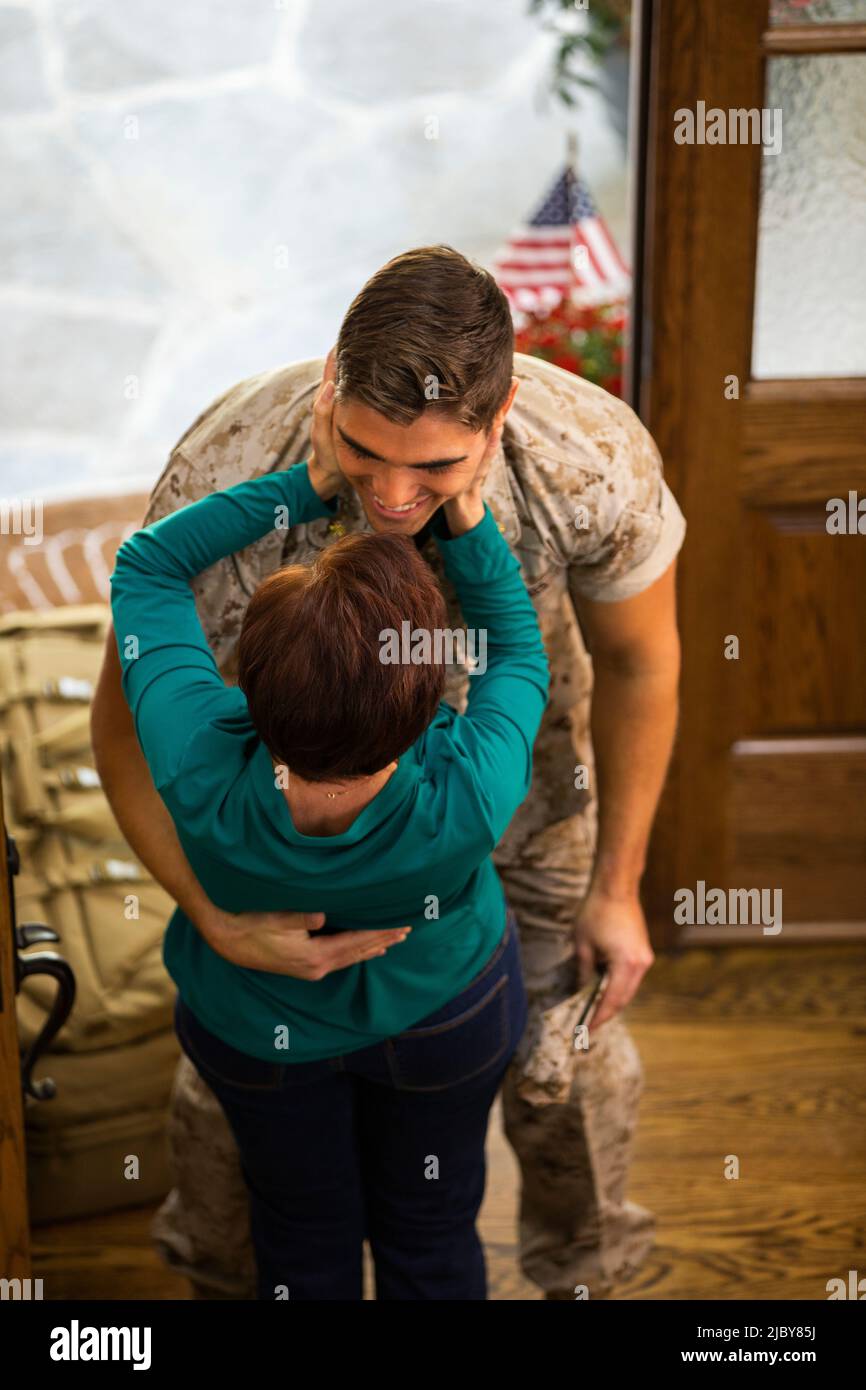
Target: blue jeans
[(386, 1144)]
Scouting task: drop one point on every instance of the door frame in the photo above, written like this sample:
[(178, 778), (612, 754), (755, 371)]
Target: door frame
[(696, 234), (14, 1219)]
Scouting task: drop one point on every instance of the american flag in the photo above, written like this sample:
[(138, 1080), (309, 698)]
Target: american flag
[(565, 248)]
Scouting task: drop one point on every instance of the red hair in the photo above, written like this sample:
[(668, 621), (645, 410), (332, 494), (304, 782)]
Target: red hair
[(309, 659)]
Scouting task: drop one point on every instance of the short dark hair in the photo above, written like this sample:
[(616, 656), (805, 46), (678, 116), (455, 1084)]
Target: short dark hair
[(309, 658), (429, 320)]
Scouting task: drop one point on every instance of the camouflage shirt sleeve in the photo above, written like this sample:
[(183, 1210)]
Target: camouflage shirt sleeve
[(627, 525), (220, 601), (179, 482)]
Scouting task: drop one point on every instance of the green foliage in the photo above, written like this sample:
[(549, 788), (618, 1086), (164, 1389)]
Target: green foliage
[(607, 22)]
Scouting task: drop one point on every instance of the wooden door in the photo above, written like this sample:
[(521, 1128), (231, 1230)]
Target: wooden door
[(14, 1226), (768, 786)]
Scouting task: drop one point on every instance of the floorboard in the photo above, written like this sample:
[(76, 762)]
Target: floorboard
[(755, 1052)]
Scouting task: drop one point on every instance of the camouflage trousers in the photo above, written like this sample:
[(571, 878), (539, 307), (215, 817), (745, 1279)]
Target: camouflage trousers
[(570, 1116)]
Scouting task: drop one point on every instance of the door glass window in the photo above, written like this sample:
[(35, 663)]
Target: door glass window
[(817, 12), (810, 290)]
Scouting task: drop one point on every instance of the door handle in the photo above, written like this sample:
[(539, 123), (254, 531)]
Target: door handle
[(42, 963)]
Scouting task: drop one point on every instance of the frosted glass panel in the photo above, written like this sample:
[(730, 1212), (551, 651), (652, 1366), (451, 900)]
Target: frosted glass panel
[(817, 11), (810, 291)]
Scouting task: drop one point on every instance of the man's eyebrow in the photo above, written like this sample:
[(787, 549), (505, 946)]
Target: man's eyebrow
[(362, 449)]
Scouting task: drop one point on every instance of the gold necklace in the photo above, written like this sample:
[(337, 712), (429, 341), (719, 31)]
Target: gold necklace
[(333, 795)]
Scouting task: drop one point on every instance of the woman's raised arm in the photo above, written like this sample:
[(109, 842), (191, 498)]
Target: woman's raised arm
[(509, 687), (170, 678)]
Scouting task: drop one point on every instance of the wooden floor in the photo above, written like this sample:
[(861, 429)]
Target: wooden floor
[(758, 1052)]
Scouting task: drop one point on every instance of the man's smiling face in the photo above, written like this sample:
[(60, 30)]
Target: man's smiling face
[(402, 473)]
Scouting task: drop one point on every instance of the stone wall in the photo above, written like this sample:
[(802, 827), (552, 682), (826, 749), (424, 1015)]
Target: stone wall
[(195, 189)]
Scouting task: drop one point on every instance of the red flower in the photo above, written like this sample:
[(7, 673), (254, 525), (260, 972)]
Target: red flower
[(580, 338)]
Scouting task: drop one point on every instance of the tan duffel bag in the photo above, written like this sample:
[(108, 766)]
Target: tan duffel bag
[(101, 1144), (113, 1060)]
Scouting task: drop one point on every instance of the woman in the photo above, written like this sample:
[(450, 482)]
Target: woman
[(332, 779)]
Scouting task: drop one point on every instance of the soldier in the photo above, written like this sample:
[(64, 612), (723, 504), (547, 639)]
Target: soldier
[(576, 487)]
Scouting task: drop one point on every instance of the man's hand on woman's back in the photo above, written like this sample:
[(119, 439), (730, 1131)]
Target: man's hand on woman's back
[(285, 943)]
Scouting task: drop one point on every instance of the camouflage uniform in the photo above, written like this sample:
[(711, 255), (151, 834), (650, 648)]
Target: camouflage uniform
[(577, 490)]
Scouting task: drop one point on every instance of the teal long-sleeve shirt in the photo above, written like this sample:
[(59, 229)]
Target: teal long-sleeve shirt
[(418, 853)]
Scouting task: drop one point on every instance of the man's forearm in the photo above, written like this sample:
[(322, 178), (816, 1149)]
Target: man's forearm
[(138, 808), (634, 719)]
